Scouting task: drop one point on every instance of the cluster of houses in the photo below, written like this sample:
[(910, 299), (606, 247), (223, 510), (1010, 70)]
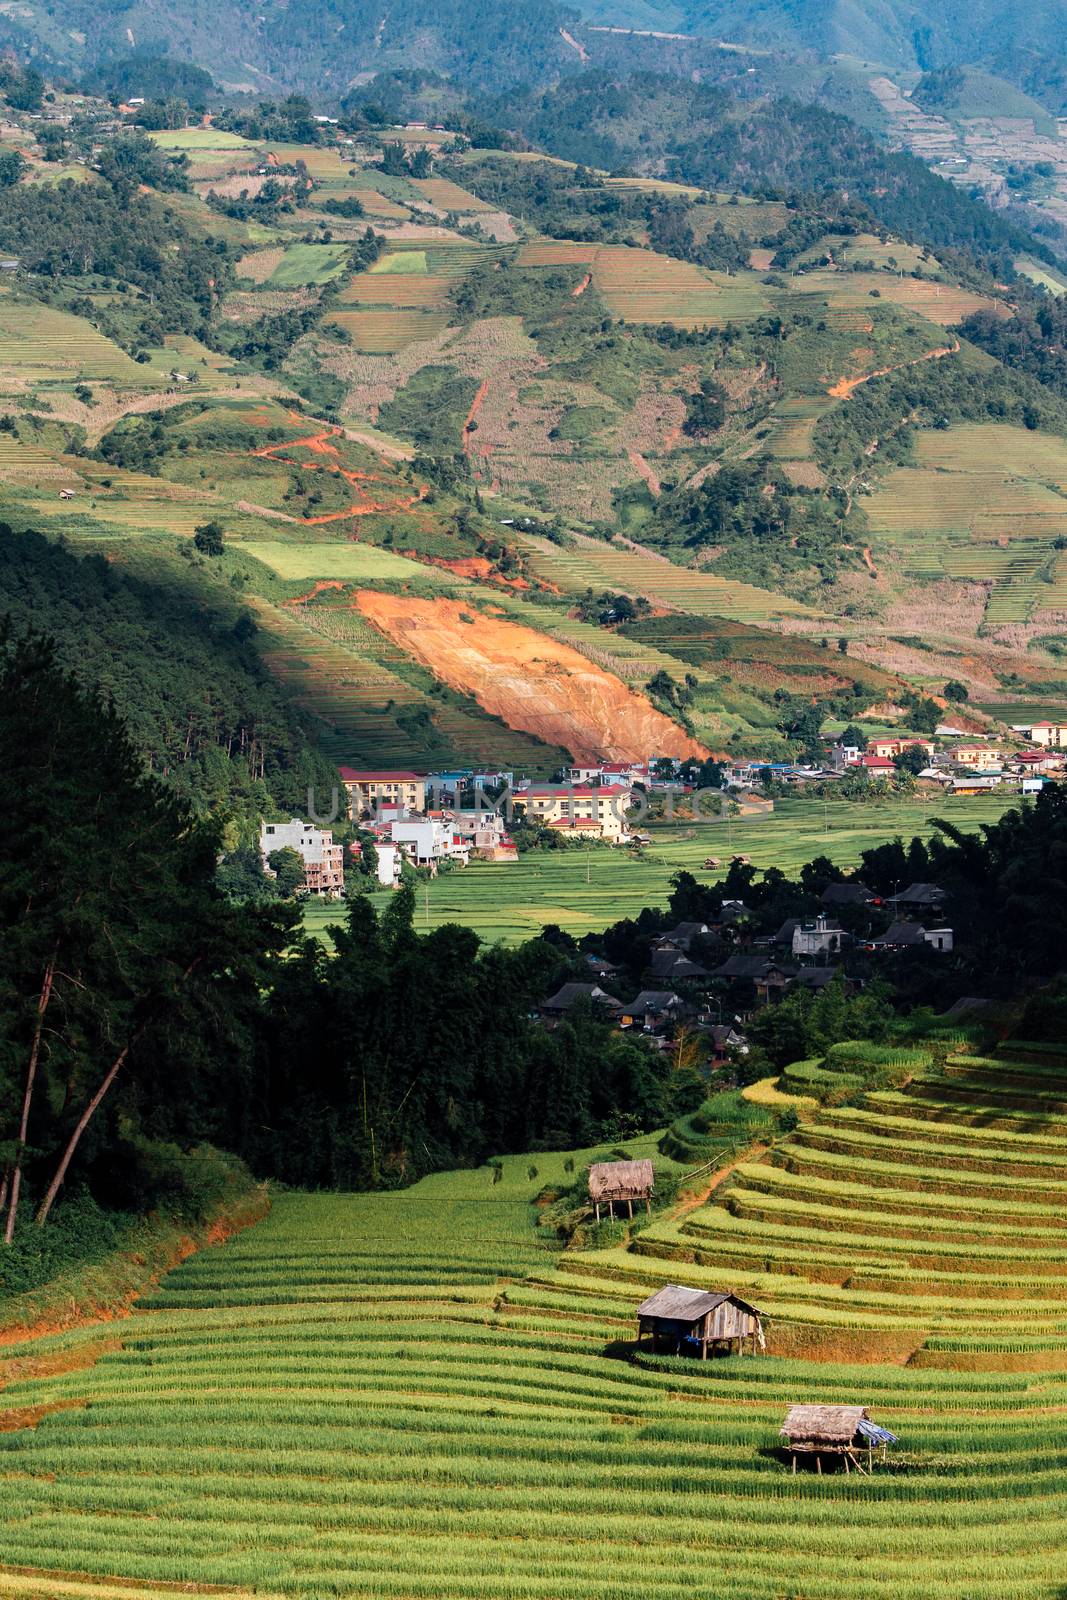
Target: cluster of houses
[(956, 762), (962, 764), (700, 969)]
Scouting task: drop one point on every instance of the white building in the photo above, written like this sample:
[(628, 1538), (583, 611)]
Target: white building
[(324, 860), (818, 938), (388, 865), (427, 840)]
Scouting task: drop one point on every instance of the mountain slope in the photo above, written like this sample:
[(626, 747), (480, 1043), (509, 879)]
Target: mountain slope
[(894, 33)]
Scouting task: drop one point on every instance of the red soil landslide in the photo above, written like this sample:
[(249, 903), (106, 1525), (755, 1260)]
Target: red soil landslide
[(583, 286), (532, 682)]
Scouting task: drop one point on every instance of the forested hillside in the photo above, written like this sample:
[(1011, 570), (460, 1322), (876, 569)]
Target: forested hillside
[(892, 33)]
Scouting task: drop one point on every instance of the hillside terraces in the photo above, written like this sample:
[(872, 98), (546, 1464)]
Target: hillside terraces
[(931, 1218), (397, 1394)]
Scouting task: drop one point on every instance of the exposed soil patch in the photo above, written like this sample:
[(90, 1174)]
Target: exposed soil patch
[(530, 681), (847, 386), (322, 445)]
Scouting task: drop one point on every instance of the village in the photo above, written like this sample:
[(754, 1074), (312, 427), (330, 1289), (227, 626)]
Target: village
[(691, 986), (443, 819)]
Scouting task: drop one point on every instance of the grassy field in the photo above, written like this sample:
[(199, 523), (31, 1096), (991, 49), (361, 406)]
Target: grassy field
[(583, 890), (308, 263), (407, 1395)]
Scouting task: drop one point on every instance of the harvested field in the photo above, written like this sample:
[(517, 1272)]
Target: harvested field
[(383, 332)]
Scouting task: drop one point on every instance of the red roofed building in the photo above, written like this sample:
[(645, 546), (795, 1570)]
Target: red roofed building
[(368, 790), (579, 807)]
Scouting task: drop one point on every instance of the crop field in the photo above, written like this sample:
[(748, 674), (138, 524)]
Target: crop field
[(198, 140), (39, 342), (930, 1210), (641, 286), (583, 890), (986, 502), (407, 290), (302, 264), (448, 195), (939, 302), (352, 562), (592, 563), (386, 331), (333, 1404)]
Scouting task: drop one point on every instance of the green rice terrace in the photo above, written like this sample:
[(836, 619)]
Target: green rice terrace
[(417, 1394)]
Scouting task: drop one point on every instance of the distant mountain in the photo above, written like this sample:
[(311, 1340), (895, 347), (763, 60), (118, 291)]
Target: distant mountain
[(902, 34), (314, 45)]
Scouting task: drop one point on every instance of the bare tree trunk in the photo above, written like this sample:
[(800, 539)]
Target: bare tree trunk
[(79, 1128), (27, 1096), (94, 1104)]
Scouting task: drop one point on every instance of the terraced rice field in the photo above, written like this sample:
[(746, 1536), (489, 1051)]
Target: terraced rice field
[(592, 563), (401, 290), (641, 286), (350, 561), (386, 331), (581, 890), (448, 196), (986, 502), (925, 1215), (404, 1396), (939, 302), (38, 343)]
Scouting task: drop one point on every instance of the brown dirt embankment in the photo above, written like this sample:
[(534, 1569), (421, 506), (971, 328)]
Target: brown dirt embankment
[(530, 681)]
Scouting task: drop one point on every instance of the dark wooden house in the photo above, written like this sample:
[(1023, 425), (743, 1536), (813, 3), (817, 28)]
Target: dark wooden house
[(613, 1183), (688, 1318), (836, 1433)]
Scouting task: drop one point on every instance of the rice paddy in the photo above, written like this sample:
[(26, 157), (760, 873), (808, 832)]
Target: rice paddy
[(39, 343), (412, 1395), (386, 331), (985, 502), (581, 890)]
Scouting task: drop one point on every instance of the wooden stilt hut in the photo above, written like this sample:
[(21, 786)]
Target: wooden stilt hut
[(835, 1433), (613, 1183), (688, 1318)]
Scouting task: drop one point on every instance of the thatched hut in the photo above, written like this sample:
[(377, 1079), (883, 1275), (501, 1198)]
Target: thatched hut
[(614, 1183), (687, 1318), (843, 1433)]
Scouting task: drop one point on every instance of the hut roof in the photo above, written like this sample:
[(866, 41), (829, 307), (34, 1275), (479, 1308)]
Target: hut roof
[(626, 1178), (827, 1424), (675, 1303)]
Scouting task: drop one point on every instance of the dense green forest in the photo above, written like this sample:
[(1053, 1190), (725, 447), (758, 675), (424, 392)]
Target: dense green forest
[(1033, 341), (184, 675)]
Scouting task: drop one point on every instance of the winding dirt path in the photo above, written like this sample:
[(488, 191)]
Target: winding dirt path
[(471, 418), (568, 38), (845, 387), (321, 444)]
